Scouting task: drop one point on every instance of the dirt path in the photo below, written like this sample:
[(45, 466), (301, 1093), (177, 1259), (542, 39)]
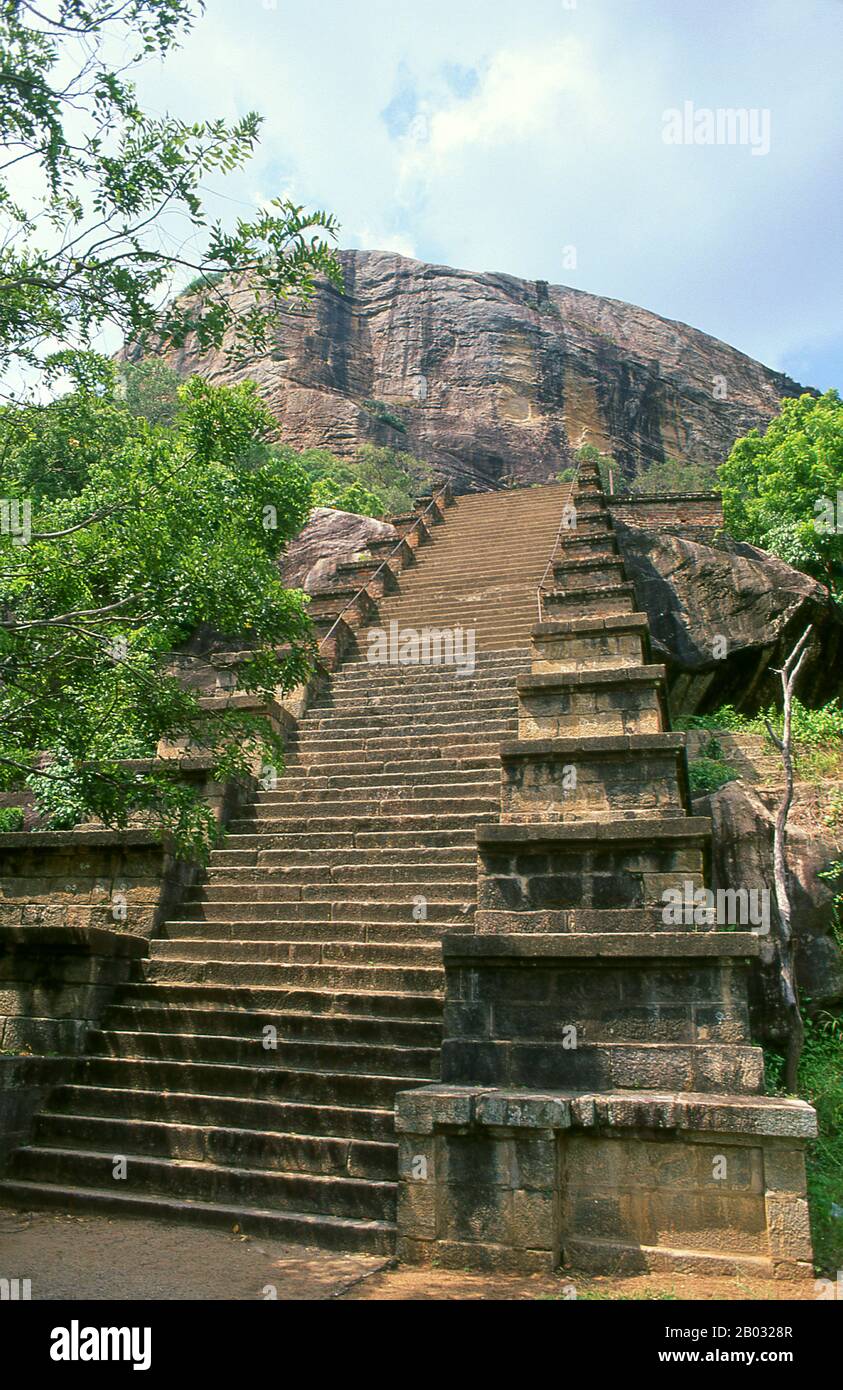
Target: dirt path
[(95, 1257)]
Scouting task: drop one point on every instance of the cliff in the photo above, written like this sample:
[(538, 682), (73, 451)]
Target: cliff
[(491, 378)]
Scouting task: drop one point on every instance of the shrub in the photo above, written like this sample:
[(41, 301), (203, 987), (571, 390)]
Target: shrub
[(810, 726), (385, 416), (708, 774), (11, 818)]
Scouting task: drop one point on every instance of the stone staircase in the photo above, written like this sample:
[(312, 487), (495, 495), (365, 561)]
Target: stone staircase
[(246, 1078), (603, 1103)]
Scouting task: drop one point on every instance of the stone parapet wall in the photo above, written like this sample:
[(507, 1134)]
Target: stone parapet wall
[(108, 879), (25, 1083), (677, 512), (56, 982)]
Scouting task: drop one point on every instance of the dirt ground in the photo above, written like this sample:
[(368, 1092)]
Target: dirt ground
[(97, 1257)]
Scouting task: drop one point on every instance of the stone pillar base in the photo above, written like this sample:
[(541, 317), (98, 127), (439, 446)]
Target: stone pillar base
[(621, 1183)]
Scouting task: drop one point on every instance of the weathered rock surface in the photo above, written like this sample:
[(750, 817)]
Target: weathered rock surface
[(743, 819), (697, 595), (329, 537), (495, 377)]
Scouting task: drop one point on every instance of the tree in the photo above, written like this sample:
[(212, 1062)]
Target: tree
[(781, 875), (88, 181), (168, 531), (783, 490), (376, 482), (675, 475), (127, 522)]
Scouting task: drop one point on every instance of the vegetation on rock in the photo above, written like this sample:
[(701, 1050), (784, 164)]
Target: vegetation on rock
[(376, 482)]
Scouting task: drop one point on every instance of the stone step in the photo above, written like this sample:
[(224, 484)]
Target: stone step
[(379, 978), (434, 797), (330, 1232), (492, 665), (329, 1155), (362, 857), (417, 713), (456, 736), (240, 1051), (413, 818), (288, 876), (412, 841), (445, 780), (236, 1112), (296, 952), (215, 1181), (411, 696), (409, 933), (371, 765), (289, 1025), (369, 1003), (259, 1083), (264, 908)]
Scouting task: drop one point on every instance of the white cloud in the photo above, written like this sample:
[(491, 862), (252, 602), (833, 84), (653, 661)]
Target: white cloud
[(520, 96), (557, 143)]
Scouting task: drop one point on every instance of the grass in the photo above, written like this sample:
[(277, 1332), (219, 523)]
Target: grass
[(810, 726), (817, 742), (709, 770), (820, 1082)]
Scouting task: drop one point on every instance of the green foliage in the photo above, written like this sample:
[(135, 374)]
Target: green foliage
[(149, 390), (376, 482), (674, 475), (162, 531), (709, 770), (48, 451), (385, 416), (609, 473), (353, 497), (88, 176), (780, 488), (821, 1083), (811, 727), (833, 874), (11, 818)]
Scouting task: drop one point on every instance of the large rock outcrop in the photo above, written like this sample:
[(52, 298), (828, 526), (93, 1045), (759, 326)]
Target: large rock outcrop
[(490, 377), (329, 537), (722, 613), (742, 822)]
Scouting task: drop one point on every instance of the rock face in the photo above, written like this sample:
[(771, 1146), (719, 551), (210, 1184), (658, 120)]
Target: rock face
[(699, 595), (490, 377), (743, 858), (329, 537)]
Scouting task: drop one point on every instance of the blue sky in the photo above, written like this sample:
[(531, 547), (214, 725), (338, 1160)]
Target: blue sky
[(529, 139)]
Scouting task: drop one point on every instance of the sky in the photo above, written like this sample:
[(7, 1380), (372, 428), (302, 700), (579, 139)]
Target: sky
[(582, 142)]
